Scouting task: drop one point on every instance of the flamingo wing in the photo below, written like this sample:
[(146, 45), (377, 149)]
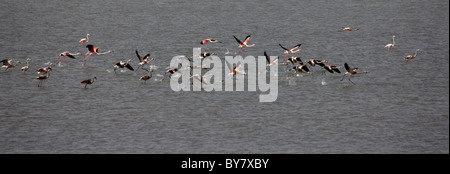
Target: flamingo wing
[(267, 58), (347, 67), (90, 47), (296, 46), (5, 62), (305, 68), (139, 57), (129, 67), (337, 70), (240, 43), (86, 81), (69, 55), (283, 47), (246, 39)]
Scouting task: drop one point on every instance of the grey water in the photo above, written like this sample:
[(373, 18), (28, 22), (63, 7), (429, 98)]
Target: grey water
[(398, 107)]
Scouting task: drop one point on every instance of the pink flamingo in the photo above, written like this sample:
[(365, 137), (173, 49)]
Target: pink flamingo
[(347, 29), (70, 55), (292, 50), (389, 46), (93, 51), (205, 41), (84, 40), (243, 44)]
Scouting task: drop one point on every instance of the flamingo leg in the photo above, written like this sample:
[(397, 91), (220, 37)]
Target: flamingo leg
[(64, 61), (137, 69), (343, 77), (84, 61), (238, 50), (351, 81)]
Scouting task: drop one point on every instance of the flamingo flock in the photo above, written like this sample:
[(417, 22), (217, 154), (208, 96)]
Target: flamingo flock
[(298, 65)]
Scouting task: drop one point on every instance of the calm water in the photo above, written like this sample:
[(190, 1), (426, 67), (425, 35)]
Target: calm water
[(397, 107)]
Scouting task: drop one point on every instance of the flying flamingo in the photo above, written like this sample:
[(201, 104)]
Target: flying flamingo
[(171, 71), (93, 51), (301, 68), (351, 71), (88, 81), (292, 50), (70, 55), (25, 68), (270, 62), (313, 62), (409, 57), (332, 68), (243, 44), (389, 46), (121, 64), (205, 41), (143, 60), (235, 69), (84, 40), (347, 29), (294, 59), (206, 54), (7, 63)]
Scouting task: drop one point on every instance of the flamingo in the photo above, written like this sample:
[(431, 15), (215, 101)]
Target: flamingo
[(292, 50), (25, 68), (347, 29), (206, 54), (70, 55), (351, 71), (88, 81), (235, 69), (44, 69), (7, 63), (84, 40), (313, 62), (121, 64), (43, 77), (93, 51), (294, 59), (332, 68), (301, 68), (171, 71), (409, 57), (269, 61), (389, 46), (143, 60), (243, 44), (146, 77), (205, 41)]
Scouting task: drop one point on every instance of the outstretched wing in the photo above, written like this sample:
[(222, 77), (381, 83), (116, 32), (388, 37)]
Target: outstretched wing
[(347, 67), (90, 47), (246, 39), (139, 57), (283, 47), (129, 67), (267, 58), (296, 46), (237, 40), (69, 55)]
